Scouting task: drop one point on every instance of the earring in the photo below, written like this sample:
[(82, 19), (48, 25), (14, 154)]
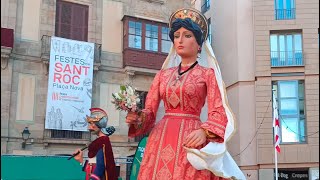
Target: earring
[(199, 53), (199, 50)]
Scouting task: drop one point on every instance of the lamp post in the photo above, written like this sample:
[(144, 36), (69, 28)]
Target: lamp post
[(25, 136)]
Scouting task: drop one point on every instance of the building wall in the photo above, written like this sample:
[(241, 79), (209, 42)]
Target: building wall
[(292, 155), (241, 42), (8, 13), (307, 20), (232, 42), (31, 20)]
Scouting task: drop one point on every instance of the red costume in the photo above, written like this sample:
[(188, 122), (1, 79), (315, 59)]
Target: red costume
[(101, 164), (164, 156)]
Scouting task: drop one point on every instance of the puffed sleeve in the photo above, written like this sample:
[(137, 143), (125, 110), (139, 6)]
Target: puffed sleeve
[(148, 114), (217, 118)]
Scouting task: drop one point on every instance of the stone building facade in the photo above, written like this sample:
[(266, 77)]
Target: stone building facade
[(26, 30)]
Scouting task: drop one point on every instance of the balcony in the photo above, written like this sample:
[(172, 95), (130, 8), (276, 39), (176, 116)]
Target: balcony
[(46, 45), (284, 14), (143, 59), (52, 136), (286, 58)]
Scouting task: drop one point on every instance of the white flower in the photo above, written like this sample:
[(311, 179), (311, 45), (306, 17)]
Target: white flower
[(130, 90), (117, 95), (129, 101), (126, 99)]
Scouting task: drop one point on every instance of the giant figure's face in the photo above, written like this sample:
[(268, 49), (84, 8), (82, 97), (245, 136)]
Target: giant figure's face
[(93, 128), (185, 43)]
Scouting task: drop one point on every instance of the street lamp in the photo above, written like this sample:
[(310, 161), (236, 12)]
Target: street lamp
[(25, 136)]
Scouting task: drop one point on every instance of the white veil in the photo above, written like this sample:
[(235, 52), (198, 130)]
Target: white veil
[(214, 156)]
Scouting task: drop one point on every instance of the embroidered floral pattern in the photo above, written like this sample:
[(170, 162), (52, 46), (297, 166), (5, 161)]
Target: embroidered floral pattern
[(164, 157)]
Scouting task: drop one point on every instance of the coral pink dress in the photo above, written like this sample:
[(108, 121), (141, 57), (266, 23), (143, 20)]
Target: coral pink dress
[(164, 156)]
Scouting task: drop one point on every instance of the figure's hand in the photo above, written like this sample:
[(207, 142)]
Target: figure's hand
[(195, 138), (133, 118), (78, 157)]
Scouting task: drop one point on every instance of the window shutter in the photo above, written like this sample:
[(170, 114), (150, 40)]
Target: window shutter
[(79, 24), (72, 21)]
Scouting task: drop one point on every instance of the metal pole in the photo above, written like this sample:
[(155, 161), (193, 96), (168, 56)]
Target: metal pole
[(274, 131), (276, 162)]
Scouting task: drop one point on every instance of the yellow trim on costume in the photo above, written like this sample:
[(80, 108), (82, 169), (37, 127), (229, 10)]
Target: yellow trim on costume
[(209, 134), (105, 161)]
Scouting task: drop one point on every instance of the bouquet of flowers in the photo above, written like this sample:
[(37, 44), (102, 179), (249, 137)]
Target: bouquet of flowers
[(127, 99)]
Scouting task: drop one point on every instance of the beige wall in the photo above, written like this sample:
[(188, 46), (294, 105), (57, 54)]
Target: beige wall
[(112, 26), (106, 90), (26, 97), (232, 27), (246, 124), (224, 34), (30, 20), (245, 44), (8, 14)]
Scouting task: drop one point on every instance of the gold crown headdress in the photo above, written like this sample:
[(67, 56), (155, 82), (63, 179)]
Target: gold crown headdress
[(194, 15)]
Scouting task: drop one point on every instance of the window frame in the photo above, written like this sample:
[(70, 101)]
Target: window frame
[(134, 34), (294, 50), (302, 139), (144, 22), (66, 134), (75, 9), (284, 10), (151, 37), (167, 39)]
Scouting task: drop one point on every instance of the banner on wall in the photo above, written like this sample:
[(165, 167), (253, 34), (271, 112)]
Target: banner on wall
[(69, 84)]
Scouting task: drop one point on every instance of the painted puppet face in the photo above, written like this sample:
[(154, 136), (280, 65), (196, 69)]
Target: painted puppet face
[(93, 128), (185, 43)]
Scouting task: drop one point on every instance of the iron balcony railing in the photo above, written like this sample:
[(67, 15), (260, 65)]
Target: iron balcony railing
[(65, 134), (46, 45), (282, 14), (286, 58)]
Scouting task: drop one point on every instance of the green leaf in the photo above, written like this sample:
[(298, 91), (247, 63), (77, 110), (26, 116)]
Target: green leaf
[(123, 87)]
